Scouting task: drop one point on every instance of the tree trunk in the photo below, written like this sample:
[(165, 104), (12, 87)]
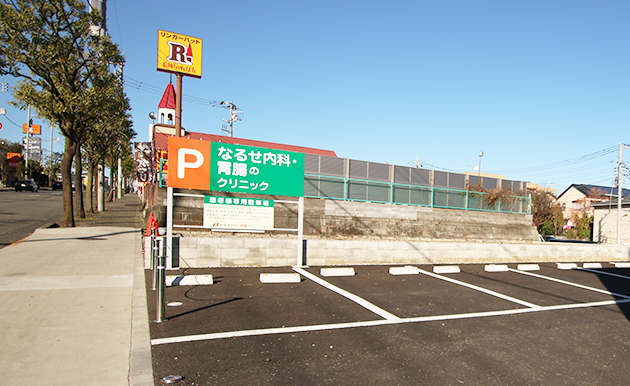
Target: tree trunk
[(66, 184), (78, 183)]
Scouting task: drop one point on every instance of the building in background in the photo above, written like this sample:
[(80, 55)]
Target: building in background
[(605, 221), (580, 199)]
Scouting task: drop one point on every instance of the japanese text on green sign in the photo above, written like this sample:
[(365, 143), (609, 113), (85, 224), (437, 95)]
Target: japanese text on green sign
[(237, 213), (248, 169)]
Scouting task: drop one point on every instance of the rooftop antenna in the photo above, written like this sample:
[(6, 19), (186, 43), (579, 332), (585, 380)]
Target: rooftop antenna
[(235, 116)]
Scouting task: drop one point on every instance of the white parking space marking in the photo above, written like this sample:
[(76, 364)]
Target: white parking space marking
[(360, 301), (480, 289), (571, 284), (175, 280), (338, 326)]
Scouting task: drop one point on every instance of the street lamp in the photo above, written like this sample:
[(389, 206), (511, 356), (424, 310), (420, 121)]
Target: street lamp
[(479, 170)]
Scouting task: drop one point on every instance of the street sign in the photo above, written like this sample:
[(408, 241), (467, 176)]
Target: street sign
[(35, 129), (0, 126), (255, 170), (226, 167), (189, 164), (179, 53)]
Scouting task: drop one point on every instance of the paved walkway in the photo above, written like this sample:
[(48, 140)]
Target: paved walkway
[(72, 303)]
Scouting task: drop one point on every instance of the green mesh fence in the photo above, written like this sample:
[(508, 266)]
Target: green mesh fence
[(339, 188), (449, 199), (412, 195)]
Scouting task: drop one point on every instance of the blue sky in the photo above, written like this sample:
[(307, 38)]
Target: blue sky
[(535, 85)]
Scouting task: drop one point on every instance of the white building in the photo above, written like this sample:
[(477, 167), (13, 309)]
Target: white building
[(605, 221)]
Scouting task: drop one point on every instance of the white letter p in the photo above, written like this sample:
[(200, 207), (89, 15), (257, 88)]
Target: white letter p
[(182, 164)]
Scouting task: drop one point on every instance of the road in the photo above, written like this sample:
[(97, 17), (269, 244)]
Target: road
[(23, 212)]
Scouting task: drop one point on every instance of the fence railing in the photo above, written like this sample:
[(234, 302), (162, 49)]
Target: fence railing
[(351, 189)]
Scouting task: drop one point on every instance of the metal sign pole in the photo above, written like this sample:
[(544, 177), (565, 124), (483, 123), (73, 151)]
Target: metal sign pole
[(155, 252), (161, 269), (169, 228), (300, 233)]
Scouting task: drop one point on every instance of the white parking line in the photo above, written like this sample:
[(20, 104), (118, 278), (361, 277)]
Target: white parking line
[(480, 289), (360, 301), (571, 284), (338, 326)]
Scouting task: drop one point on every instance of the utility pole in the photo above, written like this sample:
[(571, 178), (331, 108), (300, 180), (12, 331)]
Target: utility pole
[(28, 138), (233, 116), (50, 157), (619, 191), (101, 30), (119, 179)]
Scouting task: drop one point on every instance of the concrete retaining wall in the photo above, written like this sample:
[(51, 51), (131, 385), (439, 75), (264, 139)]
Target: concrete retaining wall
[(335, 219), (249, 252)]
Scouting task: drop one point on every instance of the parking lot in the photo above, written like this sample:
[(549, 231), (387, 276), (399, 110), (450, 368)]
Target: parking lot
[(480, 326)]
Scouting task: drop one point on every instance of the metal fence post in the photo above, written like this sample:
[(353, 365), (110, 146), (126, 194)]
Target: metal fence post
[(154, 254), (161, 269)]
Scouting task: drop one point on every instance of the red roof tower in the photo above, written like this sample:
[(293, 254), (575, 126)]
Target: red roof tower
[(168, 99)]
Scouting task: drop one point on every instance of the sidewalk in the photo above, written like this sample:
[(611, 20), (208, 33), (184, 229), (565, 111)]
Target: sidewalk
[(73, 305)]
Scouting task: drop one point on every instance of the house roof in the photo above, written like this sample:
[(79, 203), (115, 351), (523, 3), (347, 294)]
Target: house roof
[(604, 190), (168, 98), (161, 142)]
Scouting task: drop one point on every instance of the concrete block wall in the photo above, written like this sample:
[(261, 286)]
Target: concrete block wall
[(237, 252), (350, 220), (266, 251)]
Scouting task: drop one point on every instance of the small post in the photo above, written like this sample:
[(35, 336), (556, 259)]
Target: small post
[(161, 269)]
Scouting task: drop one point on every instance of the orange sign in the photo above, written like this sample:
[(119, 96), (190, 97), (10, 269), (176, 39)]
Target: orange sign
[(179, 53), (189, 163), (13, 159), (35, 129)]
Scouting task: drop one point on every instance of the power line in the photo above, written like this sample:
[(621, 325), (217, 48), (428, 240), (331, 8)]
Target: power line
[(142, 86), (572, 161), (11, 121), (118, 25)]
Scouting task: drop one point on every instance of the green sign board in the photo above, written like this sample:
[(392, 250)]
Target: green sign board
[(256, 170)]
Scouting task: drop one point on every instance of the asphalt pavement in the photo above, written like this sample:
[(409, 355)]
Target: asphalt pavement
[(541, 325), (73, 305)]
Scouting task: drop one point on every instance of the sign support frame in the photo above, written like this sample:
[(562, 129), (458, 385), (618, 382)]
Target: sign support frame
[(168, 240)]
